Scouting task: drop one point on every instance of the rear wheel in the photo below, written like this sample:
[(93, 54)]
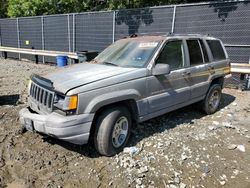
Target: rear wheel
[(113, 130), (212, 101)]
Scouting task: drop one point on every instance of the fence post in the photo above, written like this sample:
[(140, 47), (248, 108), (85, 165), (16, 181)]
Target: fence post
[(114, 14), (18, 37), (74, 34), (43, 47), (0, 35), (1, 39), (173, 20), (68, 16)]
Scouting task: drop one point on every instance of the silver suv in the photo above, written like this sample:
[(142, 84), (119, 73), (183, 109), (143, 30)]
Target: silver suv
[(133, 80)]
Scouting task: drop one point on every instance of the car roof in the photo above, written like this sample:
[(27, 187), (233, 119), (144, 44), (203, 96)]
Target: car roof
[(168, 36)]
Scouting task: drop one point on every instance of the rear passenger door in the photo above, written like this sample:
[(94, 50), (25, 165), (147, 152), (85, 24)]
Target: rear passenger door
[(199, 75)]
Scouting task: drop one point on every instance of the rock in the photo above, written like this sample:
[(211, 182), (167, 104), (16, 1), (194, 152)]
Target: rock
[(110, 183), (182, 185), (232, 146), (131, 150), (222, 182), (234, 104), (172, 186), (138, 181), (160, 145), (205, 169), (241, 148), (236, 172), (228, 125), (183, 157), (177, 180), (211, 128), (143, 170), (216, 123)]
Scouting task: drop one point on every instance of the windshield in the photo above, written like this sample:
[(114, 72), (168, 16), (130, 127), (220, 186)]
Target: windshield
[(128, 53)]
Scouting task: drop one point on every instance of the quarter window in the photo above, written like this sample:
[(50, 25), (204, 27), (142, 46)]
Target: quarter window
[(216, 49), (194, 52), (172, 54)]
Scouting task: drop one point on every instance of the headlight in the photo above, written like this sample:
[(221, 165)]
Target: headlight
[(70, 103), (66, 103)]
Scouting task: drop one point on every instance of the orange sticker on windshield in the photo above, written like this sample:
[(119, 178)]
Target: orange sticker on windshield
[(148, 44)]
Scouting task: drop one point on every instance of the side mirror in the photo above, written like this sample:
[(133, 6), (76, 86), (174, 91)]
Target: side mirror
[(161, 69)]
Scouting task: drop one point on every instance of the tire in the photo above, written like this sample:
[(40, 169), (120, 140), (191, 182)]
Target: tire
[(212, 100), (112, 132)]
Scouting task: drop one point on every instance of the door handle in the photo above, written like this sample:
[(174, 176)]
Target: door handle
[(187, 73), (210, 67)]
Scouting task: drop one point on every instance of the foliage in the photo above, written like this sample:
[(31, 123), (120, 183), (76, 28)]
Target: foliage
[(3, 8), (17, 8)]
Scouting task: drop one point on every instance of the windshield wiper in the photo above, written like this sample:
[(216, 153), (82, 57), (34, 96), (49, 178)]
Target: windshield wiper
[(108, 63)]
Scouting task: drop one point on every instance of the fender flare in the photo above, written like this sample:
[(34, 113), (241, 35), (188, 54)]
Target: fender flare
[(110, 98)]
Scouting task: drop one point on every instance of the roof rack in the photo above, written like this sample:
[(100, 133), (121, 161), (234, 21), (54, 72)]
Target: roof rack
[(133, 36), (181, 34)]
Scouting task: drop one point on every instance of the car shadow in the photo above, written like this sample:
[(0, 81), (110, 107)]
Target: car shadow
[(9, 99), (146, 129), (185, 115)]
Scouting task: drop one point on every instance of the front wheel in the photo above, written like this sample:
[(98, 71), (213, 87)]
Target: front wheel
[(212, 101), (113, 130)]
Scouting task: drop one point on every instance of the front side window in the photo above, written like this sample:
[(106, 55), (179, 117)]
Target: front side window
[(216, 49), (128, 53), (195, 54), (172, 54)]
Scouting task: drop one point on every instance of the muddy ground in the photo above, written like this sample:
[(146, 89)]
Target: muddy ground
[(184, 148)]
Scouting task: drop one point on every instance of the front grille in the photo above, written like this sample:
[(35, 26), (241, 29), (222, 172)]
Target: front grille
[(42, 97)]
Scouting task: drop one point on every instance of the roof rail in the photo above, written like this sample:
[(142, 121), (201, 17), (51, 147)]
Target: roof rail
[(133, 36)]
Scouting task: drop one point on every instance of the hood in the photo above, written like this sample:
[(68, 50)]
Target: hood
[(82, 74)]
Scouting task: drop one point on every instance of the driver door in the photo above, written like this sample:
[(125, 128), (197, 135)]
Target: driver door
[(166, 91)]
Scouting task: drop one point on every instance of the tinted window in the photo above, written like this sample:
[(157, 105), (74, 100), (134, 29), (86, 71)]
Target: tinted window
[(216, 49), (172, 54), (204, 50), (194, 52)]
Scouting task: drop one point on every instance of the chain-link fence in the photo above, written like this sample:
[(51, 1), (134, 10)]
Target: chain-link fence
[(93, 31)]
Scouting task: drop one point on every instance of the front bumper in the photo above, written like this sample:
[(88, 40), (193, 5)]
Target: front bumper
[(74, 129)]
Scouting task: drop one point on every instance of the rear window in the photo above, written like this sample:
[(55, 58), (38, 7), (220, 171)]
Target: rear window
[(216, 49), (194, 52)]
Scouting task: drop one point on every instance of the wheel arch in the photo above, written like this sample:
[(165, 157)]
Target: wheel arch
[(217, 80), (130, 104)]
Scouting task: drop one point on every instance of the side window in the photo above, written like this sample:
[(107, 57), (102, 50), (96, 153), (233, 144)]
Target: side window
[(172, 54), (216, 49), (204, 50), (195, 54)]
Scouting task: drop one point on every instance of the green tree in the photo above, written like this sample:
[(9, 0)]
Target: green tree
[(3, 8), (17, 8), (118, 4)]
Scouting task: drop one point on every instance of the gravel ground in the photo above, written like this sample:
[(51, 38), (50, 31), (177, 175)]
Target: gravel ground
[(184, 148)]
